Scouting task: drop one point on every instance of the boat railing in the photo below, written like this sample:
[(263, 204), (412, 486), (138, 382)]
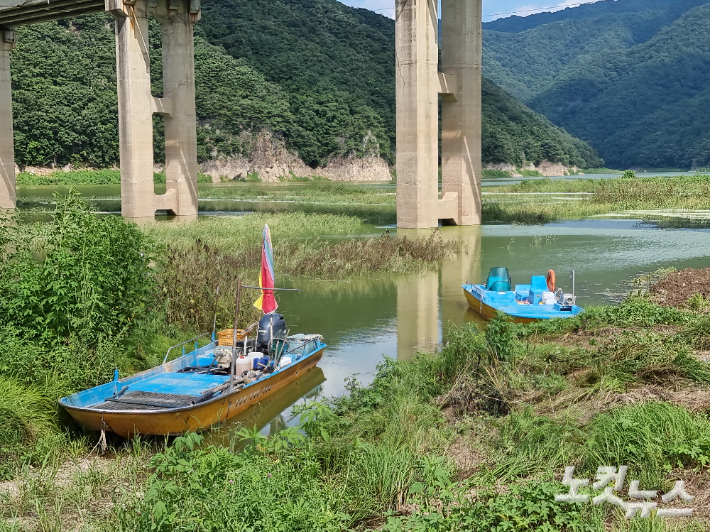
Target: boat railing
[(305, 346), (184, 343)]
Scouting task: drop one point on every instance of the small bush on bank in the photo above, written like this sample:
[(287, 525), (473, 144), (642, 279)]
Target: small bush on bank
[(81, 275)]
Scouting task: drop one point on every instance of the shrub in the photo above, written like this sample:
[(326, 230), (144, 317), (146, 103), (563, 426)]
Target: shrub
[(81, 275)]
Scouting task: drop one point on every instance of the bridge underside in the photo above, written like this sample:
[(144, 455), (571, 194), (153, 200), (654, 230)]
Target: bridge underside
[(136, 103), (22, 12)]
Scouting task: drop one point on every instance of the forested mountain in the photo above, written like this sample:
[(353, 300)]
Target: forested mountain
[(65, 103), (588, 11), (628, 77), (316, 73)]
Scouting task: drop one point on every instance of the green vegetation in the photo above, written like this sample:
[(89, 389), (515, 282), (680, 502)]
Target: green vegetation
[(514, 134), (65, 107), (585, 68), (292, 70), (88, 177), (474, 437), (546, 200), (493, 174)]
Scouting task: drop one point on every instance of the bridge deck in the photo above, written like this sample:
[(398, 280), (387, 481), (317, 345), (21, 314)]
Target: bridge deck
[(20, 12)]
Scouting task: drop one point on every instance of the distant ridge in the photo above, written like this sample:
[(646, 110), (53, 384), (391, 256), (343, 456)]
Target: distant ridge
[(629, 77), (519, 23)]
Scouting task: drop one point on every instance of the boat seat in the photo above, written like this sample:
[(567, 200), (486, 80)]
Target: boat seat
[(522, 291), (538, 283)]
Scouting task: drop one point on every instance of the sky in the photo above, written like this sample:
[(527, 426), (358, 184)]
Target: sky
[(492, 9)]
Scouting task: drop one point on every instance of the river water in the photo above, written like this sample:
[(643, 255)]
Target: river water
[(363, 320)]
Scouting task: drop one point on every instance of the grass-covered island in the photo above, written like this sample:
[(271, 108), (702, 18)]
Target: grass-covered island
[(532, 201), (474, 437)]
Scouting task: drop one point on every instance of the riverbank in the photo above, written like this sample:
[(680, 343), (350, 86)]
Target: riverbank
[(533, 201), (474, 437)]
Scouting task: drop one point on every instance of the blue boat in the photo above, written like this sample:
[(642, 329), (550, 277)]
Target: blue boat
[(206, 386), (525, 303)]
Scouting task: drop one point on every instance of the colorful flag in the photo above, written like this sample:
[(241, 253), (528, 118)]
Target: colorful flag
[(267, 302)]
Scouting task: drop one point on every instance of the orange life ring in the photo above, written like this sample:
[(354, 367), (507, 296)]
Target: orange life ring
[(551, 280)]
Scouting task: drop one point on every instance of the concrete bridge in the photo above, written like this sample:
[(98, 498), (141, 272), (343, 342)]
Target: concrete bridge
[(419, 85)]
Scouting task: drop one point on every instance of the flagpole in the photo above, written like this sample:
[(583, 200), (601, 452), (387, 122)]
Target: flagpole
[(234, 336)]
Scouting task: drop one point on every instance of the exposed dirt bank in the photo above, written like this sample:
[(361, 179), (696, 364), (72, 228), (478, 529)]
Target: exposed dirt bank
[(270, 159), (678, 287), (545, 168)]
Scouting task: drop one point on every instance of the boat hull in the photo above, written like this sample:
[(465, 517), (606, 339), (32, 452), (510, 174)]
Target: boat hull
[(517, 311), (176, 421), (487, 312)]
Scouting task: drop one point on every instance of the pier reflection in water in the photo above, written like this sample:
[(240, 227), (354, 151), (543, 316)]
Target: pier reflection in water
[(429, 301)]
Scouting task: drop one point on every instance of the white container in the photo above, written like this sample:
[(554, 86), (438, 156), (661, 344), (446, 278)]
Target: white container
[(285, 361), (548, 298), (242, 364)]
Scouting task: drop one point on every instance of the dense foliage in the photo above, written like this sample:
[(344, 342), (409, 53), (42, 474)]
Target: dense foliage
[(65, 103), (628, 77), (318, 74), (80, 275), (514, 134)]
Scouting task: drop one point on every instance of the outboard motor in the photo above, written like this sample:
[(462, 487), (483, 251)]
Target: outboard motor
[(271, 327)]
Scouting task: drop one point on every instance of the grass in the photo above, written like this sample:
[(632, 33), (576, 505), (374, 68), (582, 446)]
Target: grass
[(546, 200), (306, 245), (88, 177), (535, 201), (495, 174), (381, 456), (229, 233)]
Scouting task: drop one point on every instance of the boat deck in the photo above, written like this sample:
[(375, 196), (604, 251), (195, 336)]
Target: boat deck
[(146, 401), (193, 384)]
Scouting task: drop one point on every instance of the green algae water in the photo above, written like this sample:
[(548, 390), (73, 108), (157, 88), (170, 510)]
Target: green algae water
[(363, 320)]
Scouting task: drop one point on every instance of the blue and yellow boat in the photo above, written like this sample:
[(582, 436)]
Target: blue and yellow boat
[(200, 388), (210, 384), (525, 303)]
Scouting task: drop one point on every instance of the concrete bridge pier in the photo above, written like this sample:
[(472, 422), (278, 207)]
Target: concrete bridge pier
[(136, 106), (181, 122), (7, 152), (461, 74), (417, 57), (419, 84)]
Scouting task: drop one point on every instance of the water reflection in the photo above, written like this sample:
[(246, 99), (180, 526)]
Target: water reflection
[(272, 414), (428, 300)]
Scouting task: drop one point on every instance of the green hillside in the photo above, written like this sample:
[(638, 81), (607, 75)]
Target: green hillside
[(65, 103), (630, 81), (307, 45), (316, 73), (589, 11)]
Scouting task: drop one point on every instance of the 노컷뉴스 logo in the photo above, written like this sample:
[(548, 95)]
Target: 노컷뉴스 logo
[(605, 476)]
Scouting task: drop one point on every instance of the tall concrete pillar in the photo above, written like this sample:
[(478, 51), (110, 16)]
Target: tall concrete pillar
[(177, 19), (136, 106), (416, 48), (7, 152), (135, 109), (461, 65)]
